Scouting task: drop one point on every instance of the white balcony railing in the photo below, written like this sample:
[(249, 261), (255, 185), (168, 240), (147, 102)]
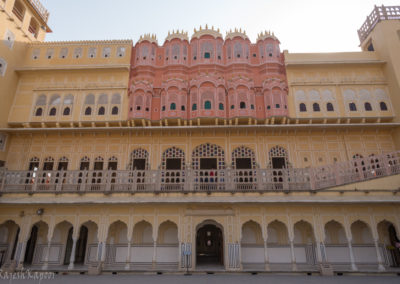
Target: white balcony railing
[(192, 180)]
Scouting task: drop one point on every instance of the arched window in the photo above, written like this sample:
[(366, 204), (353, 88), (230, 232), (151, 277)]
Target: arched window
[(242, 105), (172, 106), (85, 162), (182, 108), (102, 111), (252, 106), (315, 107), (221, 106), (383, 106), (207, 105), (41, 100), (88, 111), (367, 106), (114, 110), (194, 107), (329, 107), (103, 99), (89, 100), (39, 111), (53, 111), (303, 107), (67, 111), (116, 99), (352, 107)]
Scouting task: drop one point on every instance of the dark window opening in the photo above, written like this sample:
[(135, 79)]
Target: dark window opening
[(102, 111), (221, 106), (278, 163), (53, 111), (84, 166), (368, 106), (242, 105), (207, 55), (219, 57), (67, 111), (329, 107), (243, 163), (175, 57), (147, 109), (114, 110), (163, 108), (174, 164), (30, 246), (39, 112), (48, 166), (383, 106), (238, 55), (232, 107), (303, 107), (62, 166), (254, 55), (98, 166), (194, 107), (270, 55), (182, 108), (252, 106), (33, 166), (370, 47), (88, 111), (207, 105), (139, 164), (172, 106), (208, 163), (352, 107), (194, 57), (277, 106), (268, 107), (112, 165), (138, 107), (316, 107)]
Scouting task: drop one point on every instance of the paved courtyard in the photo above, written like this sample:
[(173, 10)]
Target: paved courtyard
[(209, 279)]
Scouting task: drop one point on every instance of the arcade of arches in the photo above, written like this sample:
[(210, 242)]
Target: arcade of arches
[(236, 237)]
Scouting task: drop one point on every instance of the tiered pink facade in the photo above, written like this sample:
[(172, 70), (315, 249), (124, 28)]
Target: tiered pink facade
[(207, 77)]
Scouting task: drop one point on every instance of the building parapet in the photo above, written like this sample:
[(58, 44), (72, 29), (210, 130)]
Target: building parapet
[(199, 180), (377, 15)]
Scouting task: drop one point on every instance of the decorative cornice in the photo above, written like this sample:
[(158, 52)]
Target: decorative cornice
[(206, 31), (236, 33), (266, 34), (177, 34), (152, 38)]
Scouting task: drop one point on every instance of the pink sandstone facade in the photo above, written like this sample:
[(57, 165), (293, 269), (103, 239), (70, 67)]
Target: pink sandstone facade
[(207, 77)]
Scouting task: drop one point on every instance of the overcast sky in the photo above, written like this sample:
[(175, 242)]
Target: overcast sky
[(300, 25)]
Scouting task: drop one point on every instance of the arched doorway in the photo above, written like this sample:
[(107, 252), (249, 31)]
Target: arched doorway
[(209, 245), (80, 249)]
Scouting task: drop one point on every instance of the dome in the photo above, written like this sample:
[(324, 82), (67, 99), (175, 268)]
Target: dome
[(265, 35), (177, 34), (149, 37), (206, 31), (236, 33)]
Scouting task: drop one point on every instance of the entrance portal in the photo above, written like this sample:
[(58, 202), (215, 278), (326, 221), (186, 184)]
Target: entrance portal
[(209, 245)]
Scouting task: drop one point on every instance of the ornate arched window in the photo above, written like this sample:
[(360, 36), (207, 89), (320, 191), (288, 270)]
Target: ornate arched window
[(352, 107), (103, 99), (112, 163), (316, 107), (303, 107), (173, 159), (238, 50), (62, 164), (208, 156), (34, 164), (98, 164), (278, 158), (329, 107), (39, 111), (383, 106), (243, 158), (139, 160), (48, 164), (85, 163), (53, 111), (207, 105), (89, 99), (67, 111), (173, 106)]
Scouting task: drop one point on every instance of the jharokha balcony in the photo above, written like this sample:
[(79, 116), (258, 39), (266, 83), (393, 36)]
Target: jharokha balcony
[(202, 180)]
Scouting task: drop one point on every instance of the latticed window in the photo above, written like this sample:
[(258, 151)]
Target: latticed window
[(238, 50), (139, 160), (112, 163), (278, 158), (207, 105), (48, 164), (34, 164), (85, 162), (243, 158), (208, 156), (173, 106), (221, 106), (62, 164), (194, 107), (173, 159)]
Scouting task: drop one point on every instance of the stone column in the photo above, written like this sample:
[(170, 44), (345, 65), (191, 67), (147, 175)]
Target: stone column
[(154, 260), (378, 255), (294, 264), (353, 264), (72, 257), (128, 255), (266, 256)]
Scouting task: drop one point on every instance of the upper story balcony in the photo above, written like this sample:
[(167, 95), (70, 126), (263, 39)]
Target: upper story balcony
[(207, 180)]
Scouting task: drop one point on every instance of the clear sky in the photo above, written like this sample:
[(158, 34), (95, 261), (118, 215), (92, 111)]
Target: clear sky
[(300, 25)]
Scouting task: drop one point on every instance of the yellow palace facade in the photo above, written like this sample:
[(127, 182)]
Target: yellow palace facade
[(203, 153)]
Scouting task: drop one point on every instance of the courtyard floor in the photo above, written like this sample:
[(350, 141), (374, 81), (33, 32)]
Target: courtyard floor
[(208, 278)]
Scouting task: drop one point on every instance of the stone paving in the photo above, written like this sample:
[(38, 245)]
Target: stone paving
[(209, 279)]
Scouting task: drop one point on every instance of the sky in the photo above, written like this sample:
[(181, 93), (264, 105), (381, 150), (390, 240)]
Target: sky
[(300, 25)]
